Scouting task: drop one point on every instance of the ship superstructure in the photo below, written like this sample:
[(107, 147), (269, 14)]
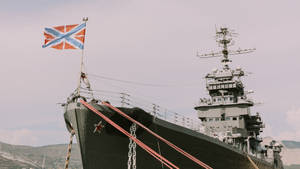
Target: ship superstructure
[(226, 114)]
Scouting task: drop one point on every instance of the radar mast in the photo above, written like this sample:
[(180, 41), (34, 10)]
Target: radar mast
[(224, 39)]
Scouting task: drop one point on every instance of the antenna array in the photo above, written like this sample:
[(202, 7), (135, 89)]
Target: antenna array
[(224, 39)]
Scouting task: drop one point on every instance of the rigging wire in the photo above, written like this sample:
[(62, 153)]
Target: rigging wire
[(113, 85), (133, 89), (102, 96), (139, 83), (122, 90), (146, 105), (134, 101), (137, 141), (129, 82), (141, 101), (101, 91)]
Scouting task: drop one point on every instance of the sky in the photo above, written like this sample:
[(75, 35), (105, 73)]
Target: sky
[(145, 41)]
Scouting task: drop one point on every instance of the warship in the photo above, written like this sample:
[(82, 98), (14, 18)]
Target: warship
[(225, 135)]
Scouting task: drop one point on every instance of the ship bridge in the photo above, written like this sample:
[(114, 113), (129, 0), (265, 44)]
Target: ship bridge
[(227, 80), (228, 104)]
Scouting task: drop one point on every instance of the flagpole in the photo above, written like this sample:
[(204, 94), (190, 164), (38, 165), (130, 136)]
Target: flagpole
[(85, 19)]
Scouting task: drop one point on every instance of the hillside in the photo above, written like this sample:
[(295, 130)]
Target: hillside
[(291, 154), (291, 144), (16, 156)]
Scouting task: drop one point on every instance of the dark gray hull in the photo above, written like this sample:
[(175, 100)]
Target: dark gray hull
[(109, 149)]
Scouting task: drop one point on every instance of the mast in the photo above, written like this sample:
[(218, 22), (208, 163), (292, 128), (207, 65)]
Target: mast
[(223, 33), (82, 75), (224, 40)]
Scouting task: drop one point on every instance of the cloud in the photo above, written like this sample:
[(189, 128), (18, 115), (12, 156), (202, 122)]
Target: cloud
[(292, 118), (268, 131), (34, 137), (18, 136)]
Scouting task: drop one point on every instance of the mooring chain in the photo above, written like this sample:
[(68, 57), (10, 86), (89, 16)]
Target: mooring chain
[(129, 153), (69, 150), (132, 149)]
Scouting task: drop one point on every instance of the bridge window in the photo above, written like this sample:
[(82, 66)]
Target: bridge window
[(227, 118), (234, 118), (210, 119), (222, 116), (203, 119)]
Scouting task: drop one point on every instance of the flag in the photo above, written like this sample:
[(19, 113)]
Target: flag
[(65, 37)]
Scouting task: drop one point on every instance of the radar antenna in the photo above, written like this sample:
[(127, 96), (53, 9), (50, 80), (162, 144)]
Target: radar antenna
[(224, 39)]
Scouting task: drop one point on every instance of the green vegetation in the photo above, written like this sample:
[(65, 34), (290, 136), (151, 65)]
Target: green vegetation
[(292, 167), (15, 156), (291, 144)]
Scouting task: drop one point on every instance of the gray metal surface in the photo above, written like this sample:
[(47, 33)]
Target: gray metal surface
[(109, 149)]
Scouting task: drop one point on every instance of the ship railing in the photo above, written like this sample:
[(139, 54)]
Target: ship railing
[(178, 119), (154, 109)]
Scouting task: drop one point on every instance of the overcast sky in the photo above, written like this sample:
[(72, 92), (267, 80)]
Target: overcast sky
[(148, 41)]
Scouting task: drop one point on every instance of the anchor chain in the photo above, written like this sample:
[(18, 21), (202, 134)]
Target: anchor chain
[(69, 150), (132, 149)]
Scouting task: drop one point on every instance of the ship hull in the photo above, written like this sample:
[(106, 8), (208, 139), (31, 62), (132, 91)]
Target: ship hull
[(108, 148)]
